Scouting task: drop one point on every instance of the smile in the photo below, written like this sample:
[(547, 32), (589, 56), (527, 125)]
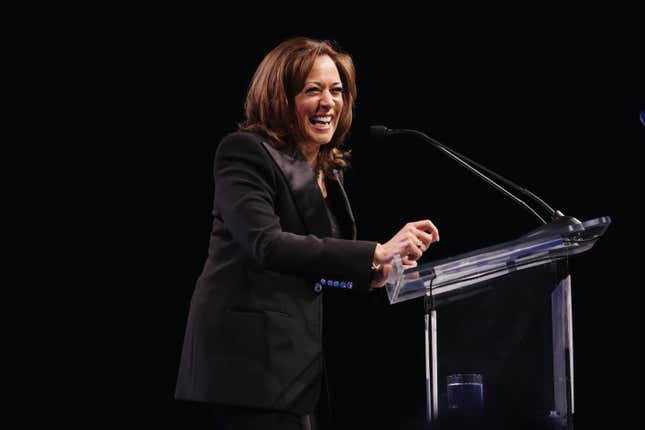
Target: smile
[(321, 122)]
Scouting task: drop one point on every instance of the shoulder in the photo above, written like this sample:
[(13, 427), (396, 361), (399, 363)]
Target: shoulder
[(241, 140), (244, 150), (242, 144)]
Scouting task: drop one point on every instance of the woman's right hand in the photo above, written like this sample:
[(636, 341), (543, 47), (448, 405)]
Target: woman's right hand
[(410, 242)]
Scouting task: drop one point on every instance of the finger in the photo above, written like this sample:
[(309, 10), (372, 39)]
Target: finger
[(425, 238), (414, 253), (413, 240), (410, 265), (407, 263), (387, 268), (427, 225), (406, 260)]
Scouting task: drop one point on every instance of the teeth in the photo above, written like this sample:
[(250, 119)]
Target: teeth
[(321, 118)]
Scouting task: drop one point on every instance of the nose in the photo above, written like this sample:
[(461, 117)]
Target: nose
[(326, 99)]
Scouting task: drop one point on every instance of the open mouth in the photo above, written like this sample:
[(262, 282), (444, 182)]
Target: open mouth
[(321, 122)]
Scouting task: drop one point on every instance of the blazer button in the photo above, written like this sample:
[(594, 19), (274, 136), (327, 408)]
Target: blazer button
[(317, 287)]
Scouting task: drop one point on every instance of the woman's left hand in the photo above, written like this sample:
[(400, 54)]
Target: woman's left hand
[(380, 278)]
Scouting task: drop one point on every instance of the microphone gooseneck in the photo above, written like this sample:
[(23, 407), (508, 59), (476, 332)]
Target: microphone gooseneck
[(380, 132)]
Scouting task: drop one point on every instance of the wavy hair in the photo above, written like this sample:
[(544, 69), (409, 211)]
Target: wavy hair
[(270, 101)]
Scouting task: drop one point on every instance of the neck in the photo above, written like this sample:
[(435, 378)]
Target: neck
[(310, 151)]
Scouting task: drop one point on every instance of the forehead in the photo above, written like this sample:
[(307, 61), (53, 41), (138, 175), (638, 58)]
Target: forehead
[(324, 68)]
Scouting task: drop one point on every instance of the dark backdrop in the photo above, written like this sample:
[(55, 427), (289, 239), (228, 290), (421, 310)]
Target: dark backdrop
[(546, 94)]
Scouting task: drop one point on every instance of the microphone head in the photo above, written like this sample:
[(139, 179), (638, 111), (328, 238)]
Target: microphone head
[(643, 117), (378, 132)]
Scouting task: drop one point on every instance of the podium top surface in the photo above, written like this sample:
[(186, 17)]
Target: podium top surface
[(465, 272)]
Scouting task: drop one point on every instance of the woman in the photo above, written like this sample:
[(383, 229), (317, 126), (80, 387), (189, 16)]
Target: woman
[(283, 231)]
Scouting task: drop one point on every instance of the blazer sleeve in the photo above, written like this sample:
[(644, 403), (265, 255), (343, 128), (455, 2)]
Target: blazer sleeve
[(245, 187)]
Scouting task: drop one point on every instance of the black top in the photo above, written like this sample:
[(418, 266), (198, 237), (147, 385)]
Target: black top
[(333, 219)]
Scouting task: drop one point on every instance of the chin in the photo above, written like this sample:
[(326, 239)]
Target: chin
[(324, 141), (321, 138)]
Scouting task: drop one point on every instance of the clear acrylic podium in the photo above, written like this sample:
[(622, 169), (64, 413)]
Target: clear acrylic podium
[(506, 314)]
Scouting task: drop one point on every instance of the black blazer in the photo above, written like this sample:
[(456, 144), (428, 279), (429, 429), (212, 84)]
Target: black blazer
[(254, 331)]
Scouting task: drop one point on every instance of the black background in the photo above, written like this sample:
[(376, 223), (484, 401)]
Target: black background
[(547, 94)]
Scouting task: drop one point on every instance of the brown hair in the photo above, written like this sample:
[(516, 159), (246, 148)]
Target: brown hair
[(270, 101)]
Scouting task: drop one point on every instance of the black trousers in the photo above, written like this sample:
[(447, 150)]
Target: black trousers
[(244, 418), (240, 418)]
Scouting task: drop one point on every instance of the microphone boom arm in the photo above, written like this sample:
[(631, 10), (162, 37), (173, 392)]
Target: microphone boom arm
[(460, 159)]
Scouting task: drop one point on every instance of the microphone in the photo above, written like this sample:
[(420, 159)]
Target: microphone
[(379, 132), (558, 219), (642, 118)]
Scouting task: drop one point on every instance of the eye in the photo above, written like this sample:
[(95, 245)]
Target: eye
[(337, 90), (311, 90)]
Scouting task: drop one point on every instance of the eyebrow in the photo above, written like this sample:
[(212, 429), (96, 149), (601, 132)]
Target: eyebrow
[(320, 83)]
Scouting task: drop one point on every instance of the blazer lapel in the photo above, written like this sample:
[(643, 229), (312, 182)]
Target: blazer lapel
[(305, 191), (348, 209)]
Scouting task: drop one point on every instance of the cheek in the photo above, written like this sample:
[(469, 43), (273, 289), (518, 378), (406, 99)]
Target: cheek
[(302, 116), (304, 112), (339, 109), (301, 107)]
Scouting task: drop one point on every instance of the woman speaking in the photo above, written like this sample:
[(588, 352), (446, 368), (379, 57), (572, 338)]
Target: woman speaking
[(283, 232)]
